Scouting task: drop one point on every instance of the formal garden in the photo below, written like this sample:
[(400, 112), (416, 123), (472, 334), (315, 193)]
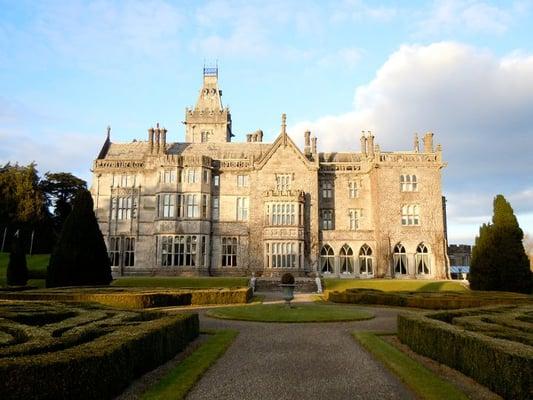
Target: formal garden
[(69, 330)]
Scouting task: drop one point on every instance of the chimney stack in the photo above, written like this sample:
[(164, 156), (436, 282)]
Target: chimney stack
[(370, 144), (428, 142), (151, 139), (417, 144), (363, 143), (163, 140), (157, 136), (313, 146), (307, 145)]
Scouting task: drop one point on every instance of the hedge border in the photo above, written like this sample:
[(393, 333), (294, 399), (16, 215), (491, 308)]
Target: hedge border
[(135, 299), (503, 366), (100, 369), (426, 300)]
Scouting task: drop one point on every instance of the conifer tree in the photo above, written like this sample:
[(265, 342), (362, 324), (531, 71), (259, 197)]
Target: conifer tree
[(80, 256), (499, 261), (17, 270)]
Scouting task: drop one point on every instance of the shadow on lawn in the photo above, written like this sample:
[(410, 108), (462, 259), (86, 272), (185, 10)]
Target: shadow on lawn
[(431, 287)]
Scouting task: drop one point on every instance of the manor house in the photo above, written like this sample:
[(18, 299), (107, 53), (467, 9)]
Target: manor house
[(209, 205)]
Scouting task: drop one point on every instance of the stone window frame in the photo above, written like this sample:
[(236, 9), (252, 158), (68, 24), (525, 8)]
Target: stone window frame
[(192, 175), (228, 251), (123, 207), (354, 218), (326, 189), (179, 250), (400, 260), (327, 218), (283, 254), (216, 180), (283, 182), (410, 215), (281, 214), (366, 261), (169, 176), (121, 251), (408, 183), (114, 251), (215, 208), (327, 259), (168, 205), (192, 205), (242, 207), (346, 260), (205, 205), (243, 180), (423, 259), (353, 189)]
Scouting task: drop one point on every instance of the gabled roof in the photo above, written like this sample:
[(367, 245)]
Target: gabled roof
[(283, 140)]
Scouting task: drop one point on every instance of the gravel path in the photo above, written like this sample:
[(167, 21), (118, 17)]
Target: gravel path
[(299, 361)]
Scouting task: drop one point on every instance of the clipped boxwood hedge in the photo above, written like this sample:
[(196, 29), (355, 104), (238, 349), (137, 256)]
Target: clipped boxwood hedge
[(427, 300), (136, 298), (504, 366), (98, 369)]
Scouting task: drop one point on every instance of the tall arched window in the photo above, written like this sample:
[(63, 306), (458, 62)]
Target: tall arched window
[(422, 259), (346, 259), (365, 260), (327, 259), (400, 260)]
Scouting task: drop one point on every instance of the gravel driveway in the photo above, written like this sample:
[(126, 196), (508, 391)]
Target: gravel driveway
[(299, 361)]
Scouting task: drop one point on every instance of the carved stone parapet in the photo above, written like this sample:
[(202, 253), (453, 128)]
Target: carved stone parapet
[(284, 233)]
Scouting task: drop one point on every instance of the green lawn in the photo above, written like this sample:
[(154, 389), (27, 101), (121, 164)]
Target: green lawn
[(393, 285), (181, 282), (298, 313), (37, 265), (421, 380), (176, 383)]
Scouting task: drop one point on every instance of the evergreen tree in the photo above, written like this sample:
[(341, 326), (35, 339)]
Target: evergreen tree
[(80, 256), (499, 261), (17, 270)]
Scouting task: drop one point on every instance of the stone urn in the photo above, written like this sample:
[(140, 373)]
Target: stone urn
[(287, 287)]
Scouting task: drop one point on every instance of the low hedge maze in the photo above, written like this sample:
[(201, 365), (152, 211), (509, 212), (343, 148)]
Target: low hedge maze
[(428, 300), (492, 345), (51, 350)]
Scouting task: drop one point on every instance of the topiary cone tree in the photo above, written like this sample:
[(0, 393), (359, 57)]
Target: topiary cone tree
[(80, 256), (499, 261), (17, 270)]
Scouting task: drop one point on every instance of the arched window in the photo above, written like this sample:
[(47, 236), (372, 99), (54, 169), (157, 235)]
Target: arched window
[(400, 260), (365, 260), (422, 259), (346, 259), (327, 258)]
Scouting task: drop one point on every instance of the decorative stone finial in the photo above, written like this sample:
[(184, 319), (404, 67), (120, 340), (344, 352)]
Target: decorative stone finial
[(108, 131), (283, 123)]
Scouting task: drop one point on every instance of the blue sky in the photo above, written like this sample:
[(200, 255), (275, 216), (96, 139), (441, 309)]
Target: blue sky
[(462, 69)]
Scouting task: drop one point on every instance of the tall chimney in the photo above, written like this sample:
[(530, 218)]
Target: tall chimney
[(370, 144), (307, 140), (157, 133), (151, 139), (164, 140), (363, 143), (313, 145), (428, 142), (417, 144)]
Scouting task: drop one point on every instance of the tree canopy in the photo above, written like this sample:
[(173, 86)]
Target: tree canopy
[(499, 261)]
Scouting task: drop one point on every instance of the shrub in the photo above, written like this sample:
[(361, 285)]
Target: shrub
[(17, 270), (287, 279), (504, 366), (96, 357), (132, 298), (80, 256), (427, 300)]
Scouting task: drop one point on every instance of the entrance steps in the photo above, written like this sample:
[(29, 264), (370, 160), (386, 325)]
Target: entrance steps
[(303, 285)]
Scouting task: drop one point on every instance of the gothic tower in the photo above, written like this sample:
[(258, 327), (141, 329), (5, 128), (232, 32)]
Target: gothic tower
[(209, 121)]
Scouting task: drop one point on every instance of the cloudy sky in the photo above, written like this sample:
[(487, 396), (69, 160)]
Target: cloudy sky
[(461, 69)]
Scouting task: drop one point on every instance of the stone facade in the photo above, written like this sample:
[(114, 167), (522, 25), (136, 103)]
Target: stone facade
[(211, 206)]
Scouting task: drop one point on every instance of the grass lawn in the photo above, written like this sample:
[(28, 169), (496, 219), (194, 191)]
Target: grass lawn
[(37, 265), (182, 378), (421, 380), (393, 285), (181, 282), (298, 313)]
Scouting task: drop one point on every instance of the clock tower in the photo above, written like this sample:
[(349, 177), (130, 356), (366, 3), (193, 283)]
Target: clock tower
[(208, 121)]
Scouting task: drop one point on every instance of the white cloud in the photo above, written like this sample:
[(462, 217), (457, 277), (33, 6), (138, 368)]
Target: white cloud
[(450, 16), (478, 105)]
